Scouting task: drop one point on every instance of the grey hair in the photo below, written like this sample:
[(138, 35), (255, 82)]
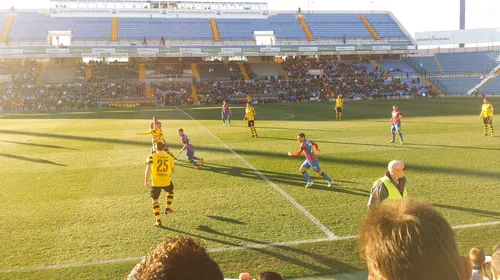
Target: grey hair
[(393, 164)]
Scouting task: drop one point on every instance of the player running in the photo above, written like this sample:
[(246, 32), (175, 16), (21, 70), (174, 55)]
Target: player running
[(226, 113), (487, 116), (157, 137), (339, 104), (250, 117), (188, 147), (312, 160), (395, 123), (159, 168)]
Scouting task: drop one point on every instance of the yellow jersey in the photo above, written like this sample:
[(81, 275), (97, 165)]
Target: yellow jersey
[(157, 134), (162, 165), (339, 103), (250, 114), (487, 110)]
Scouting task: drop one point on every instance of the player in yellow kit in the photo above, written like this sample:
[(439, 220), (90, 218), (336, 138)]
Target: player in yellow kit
[(159, 168), (487, 116), (339, 105), (250, 117), (157, 137)]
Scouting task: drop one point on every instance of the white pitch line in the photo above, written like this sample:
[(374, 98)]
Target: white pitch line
[(224, 249), (276, 187), (290, 116)]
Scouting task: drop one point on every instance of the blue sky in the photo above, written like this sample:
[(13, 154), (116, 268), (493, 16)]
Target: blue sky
[(419, 15)]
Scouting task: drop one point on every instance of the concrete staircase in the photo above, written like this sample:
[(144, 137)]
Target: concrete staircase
[(194, 69), (142, 71), (369, 27), (244, 71), (114, 29), (439, 65), (305, 27), (283, 72), (215, 29), (194, 94), (6, 29)]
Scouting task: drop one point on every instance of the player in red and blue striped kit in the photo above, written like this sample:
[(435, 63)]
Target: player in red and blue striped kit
[(311, 161), (188, 147), (226, 113)]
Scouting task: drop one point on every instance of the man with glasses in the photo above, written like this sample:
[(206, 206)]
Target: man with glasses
[(392, 186)]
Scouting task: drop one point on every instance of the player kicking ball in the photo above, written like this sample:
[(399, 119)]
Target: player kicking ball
[(311, 161), (188, 147)]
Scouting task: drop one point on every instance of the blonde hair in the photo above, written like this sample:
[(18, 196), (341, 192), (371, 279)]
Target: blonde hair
[(408, 240)]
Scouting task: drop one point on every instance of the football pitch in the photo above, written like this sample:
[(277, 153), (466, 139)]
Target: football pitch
[(73, 204)]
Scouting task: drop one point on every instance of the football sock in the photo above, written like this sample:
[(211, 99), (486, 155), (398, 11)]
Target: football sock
[(223, 121), (491, 129), (393, 137), (340, 116), (195, 158), (170, 198), (401, 137), (193, 162), (229, 121), (156, 210), (485, 128), (324, 175), (308, 178), (254, 131), (170, 153)]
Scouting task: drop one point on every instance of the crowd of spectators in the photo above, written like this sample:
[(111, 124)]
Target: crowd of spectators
[(351, 80)]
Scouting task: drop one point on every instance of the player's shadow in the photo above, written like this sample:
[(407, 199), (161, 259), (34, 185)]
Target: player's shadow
[(327, 263), (334, 188), (352, 144), (145, 143), (453, 147), (286, 128), (39, 145), (478, 212), (226, 220), (31, 159), (283, 178)]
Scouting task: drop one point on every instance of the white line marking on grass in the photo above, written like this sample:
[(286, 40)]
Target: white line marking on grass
[(215, 250), (477, 225), (276, 187), (290, 116)]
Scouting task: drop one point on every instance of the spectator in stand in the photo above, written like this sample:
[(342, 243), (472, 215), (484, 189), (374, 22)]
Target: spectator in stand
[(178, 258), (409, 240), (495, 265), (477, 259), (269, 275)]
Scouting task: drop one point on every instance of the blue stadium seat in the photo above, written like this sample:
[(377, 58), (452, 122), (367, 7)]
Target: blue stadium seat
[(459, 85), (336, 26), (33, 26), (469, 62), (170, 29), (393, 67), (492, 88), (427, 62), (385, 26)]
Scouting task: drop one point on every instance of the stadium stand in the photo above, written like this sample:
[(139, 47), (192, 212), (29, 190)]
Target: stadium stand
[(469, 62), (427, 62), (336, 26), (138, 28), (34, 26), (492, 87), (397, 67), (459, 85), (385, 26)]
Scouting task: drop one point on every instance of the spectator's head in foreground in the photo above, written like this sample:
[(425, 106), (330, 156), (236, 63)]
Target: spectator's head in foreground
[(396, 169), (477, 257), (408, 240), (269, 275), (178, 258), (495, 264)]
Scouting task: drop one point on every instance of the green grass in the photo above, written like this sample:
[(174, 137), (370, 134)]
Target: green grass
[(71, 184)]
